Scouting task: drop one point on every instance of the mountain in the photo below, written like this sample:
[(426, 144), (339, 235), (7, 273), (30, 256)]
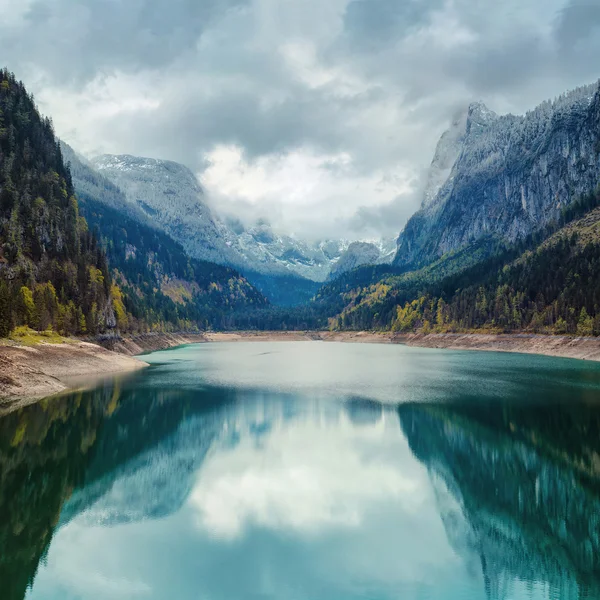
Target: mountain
[(89, 182), (547, 283), (169, 196), (505, 176), (358, 254), (53, 273), (161, 283), (270, 252), (507, 238)]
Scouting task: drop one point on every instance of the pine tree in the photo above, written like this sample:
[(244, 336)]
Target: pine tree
[(6, 317)]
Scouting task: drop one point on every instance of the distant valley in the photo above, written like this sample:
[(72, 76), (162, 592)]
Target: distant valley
[(168, 196), (506, 239)]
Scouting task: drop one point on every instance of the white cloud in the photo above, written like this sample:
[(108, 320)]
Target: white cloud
[(301, 191), (82, 117), (74, 577), (274, 90)]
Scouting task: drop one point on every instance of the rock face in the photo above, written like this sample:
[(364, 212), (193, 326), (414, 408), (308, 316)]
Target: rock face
[(505, 176), (169, 195), (357, 254)]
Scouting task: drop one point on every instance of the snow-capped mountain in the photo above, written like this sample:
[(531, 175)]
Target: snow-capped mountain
[(170, 195), (358, 254), (505, 176), (267, 251)]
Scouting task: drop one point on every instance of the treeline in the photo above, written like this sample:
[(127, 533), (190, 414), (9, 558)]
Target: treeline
[(161, 286), (554, 290), (81, 267), (53, 273), (545, 284)]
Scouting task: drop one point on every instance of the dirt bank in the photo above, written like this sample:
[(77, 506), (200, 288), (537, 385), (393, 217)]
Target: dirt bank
[(585, 348), (300, 336), (262, 336), (29, 373), (149, 342)]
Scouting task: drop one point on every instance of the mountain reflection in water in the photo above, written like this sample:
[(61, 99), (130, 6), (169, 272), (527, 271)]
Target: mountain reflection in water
[(327, 498)]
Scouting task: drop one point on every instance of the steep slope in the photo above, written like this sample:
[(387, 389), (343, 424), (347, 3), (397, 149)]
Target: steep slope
[(169, 195), (363, 253), (91, 183), (52, 271), (162, 284), (505, 176), (356, 255)]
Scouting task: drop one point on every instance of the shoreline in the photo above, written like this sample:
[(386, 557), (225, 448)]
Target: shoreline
[(29, 373), (581, 348)]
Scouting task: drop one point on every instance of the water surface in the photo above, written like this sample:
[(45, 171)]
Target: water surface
[(309, 471)]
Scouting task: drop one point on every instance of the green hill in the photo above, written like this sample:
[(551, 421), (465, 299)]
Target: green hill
[(53, 273), (85, 265), (550, 283)]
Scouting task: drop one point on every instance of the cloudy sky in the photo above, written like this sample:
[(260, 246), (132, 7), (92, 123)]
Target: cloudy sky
[(318, 114)]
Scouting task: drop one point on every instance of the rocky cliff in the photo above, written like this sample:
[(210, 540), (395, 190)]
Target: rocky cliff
[(171, 197), (505, 176), (357, 255)]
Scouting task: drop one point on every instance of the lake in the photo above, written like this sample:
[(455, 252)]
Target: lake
[(308, 470)]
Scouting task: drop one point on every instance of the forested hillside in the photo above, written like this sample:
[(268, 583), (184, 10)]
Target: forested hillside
[(85, 266), (549, 283), (507, 238), (53, 272), (163, 287)]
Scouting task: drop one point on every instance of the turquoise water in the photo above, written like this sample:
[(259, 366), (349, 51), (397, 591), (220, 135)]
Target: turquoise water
[(309, 471)]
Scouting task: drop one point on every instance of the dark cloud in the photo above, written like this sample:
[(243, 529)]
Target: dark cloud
[(375, 23), (374, 221), (74, 40), (502, 67), (577, 22), (376, 80)]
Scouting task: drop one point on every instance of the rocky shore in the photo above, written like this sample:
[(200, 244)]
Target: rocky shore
[(30, 373), (584, 348), (149, 342)]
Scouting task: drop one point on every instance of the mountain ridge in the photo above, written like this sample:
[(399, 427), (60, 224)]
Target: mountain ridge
[(167, 195), (510, 176)]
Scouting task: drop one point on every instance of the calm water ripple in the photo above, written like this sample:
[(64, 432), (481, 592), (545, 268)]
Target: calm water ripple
[(309, 471)]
